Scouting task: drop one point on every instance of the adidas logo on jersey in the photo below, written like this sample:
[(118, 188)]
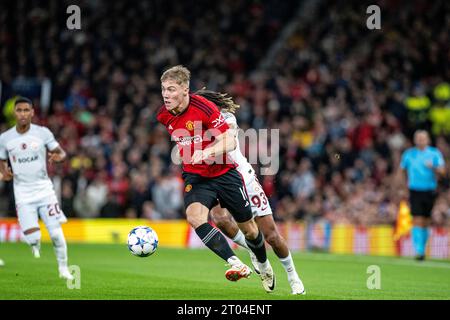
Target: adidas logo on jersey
[(218, 121)]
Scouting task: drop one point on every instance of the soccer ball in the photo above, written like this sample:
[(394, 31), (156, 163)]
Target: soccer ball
[(142, 241)]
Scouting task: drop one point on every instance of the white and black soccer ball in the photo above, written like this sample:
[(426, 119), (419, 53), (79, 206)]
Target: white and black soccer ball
[(142, 241)]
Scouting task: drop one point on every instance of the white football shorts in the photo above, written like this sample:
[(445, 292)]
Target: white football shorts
[(258, 199), (47, 209)]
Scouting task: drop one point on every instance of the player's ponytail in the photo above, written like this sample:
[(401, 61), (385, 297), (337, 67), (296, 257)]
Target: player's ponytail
[(221, 100)]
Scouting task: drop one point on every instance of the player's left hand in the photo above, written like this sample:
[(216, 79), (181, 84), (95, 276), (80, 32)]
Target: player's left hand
[(55, 157)]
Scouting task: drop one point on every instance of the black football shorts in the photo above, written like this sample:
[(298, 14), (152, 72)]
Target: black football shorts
[(228, 189), (421, 202)]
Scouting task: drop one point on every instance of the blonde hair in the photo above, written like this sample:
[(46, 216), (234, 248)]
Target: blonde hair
[(221, 100), (178, 73)]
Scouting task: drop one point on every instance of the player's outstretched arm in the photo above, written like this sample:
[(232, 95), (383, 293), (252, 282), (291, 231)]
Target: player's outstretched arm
[(57, 155), (5, 171), (224, 143)]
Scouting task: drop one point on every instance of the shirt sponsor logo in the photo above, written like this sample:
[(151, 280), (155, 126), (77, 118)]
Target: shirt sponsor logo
[(28, 159), (186, 141)]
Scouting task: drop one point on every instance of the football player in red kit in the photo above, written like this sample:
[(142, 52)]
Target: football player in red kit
[(203, 140)]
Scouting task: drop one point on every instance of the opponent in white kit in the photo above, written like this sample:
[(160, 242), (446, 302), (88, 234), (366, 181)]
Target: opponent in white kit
[(26, 145), (258, 200)]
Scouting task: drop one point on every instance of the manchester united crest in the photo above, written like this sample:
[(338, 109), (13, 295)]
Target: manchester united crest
[(188, 188), (190, 125)]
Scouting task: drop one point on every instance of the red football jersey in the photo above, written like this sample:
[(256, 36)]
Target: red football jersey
[(195, 129)]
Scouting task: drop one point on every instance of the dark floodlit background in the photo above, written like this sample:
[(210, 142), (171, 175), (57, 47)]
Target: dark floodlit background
[(346, 99)]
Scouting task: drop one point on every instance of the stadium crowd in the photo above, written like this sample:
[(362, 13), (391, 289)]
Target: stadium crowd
[(345, 99)]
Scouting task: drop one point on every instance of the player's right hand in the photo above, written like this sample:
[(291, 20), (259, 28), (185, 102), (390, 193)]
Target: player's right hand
[(8, 175)]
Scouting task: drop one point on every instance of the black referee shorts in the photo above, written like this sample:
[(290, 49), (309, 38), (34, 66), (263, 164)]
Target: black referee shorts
[(228, 189), (421, 202)]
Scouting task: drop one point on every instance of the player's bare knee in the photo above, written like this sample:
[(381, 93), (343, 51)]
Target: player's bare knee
[(273, 238), (216, 212), (30, 231), (250, 230), (250, 234), (196, 214), (220, 220), (195, 219), (215, 216)]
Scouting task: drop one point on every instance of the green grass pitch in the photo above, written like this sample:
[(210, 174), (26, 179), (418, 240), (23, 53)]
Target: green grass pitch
[(111, 272)]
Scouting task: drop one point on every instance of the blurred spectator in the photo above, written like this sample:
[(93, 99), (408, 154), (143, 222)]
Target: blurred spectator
[(303, 183), (149, 212), (344, 98), (168, 195), (118, 186), (67, 198), (112, 208), (89, 203), (139, 193)]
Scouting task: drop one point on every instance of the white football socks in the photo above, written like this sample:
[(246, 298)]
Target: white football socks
[(289, 266), (59, 245), (263, 266), (34, 240), (239, 239), (288, 263)]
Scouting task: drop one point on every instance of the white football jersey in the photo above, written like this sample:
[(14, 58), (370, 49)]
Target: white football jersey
[(255, 192), (27, 154), (244, 167)]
